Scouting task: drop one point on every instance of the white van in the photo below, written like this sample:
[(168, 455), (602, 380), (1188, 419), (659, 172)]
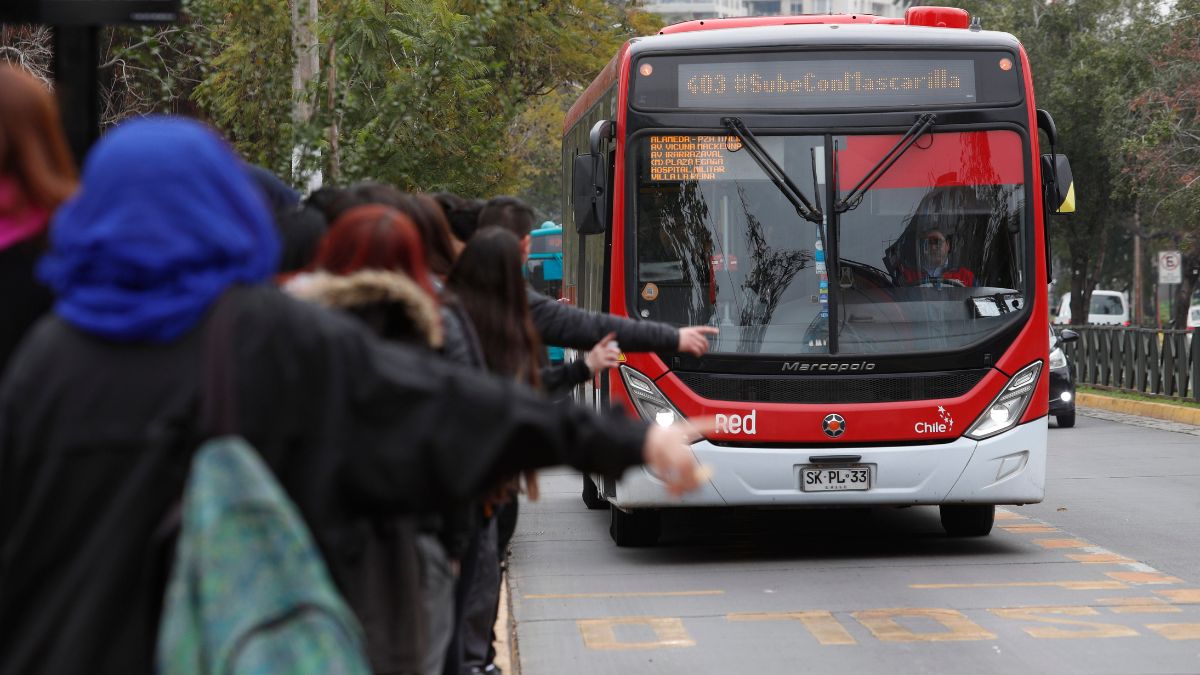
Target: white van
[(1193, 319), (1109, 308)]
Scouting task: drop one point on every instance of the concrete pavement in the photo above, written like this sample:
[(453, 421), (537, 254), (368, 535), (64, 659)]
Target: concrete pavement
[(1103, 577)]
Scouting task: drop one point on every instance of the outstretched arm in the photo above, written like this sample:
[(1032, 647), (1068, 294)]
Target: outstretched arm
[(566, 326)]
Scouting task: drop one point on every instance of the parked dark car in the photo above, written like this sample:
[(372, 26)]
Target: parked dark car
[(1062, 378)]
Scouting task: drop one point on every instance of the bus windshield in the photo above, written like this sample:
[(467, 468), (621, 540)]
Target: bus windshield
[(931, 259)]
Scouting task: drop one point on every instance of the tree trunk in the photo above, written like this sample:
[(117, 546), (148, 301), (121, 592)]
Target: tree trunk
[(1082, 284), (334, 166), (304, 73)]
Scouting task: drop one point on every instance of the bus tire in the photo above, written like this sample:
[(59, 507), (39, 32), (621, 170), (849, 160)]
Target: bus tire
[(968, 520), (1065, 421), (637, 528), (591, 495)]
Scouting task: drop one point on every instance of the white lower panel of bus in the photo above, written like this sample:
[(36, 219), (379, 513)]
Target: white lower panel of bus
[(1006, 469)]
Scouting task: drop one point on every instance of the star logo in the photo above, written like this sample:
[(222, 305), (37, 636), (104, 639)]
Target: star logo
[(945, 415)]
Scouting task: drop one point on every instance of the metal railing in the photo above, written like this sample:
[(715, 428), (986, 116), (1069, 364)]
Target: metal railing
[(1143, 360)]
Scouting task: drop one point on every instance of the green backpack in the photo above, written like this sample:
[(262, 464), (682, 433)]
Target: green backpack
[(249, 592)]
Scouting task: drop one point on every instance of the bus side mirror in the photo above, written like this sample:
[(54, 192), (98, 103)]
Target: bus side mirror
[(1068, 335), (588, 184), (1058, 184)]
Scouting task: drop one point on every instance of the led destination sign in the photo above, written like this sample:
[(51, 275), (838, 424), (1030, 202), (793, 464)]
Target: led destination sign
[(839, 83), (686, 158)]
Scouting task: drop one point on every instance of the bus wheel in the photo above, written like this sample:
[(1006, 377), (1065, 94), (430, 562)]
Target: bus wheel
[(968, 520), (591, 496), (639, 528), (1065, 421)]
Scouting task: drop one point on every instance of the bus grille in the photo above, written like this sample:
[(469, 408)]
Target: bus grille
[(840, 389)]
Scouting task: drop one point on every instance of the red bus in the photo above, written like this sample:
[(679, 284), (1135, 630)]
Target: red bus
[(859, 204)]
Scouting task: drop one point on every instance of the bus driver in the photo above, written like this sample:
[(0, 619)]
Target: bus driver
[(935, 217)]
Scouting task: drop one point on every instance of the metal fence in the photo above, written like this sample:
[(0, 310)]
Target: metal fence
[(1143, 360)]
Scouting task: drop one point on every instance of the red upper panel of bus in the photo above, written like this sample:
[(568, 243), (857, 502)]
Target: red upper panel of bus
[(935, 17)]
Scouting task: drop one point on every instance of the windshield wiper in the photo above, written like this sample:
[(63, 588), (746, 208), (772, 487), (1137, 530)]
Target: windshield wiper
[(852, 199), (803, 206)]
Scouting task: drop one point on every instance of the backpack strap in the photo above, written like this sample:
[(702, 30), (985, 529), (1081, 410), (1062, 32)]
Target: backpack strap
[(218, 402)]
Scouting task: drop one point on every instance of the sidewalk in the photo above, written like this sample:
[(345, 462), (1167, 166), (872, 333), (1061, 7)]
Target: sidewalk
[(1162, 411)]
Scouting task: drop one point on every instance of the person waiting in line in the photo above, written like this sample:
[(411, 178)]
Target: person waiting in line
[(487, 281), (372, 265), (461, 213), (99, 414), (36, 175), (562, 325), (425, 213)]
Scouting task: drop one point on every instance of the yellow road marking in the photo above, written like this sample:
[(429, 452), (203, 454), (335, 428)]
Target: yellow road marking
[(601, 634), (1098, 558), (1176, 631), (1061, 543), (823, 626), (1028, 528), (1145, 605), (1182, 596), (1002, 514), (882, 623), (1069, 585), (1143, 578), (640, 594), (1090, 629)]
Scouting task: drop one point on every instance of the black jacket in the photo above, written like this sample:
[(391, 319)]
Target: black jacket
[(390, 608), (566, 326), (91, 460), (558, 379), (22, 299)]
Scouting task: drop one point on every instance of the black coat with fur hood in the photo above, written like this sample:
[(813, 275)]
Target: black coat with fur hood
[(397, 309), (390, 303)]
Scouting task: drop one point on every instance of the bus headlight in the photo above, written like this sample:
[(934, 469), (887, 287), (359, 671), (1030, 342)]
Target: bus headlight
[(1057, 359), (1006, 410), (647, 399)]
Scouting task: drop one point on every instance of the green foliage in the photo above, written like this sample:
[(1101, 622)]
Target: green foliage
[(1088, 59), (247, 90), (412, 98)]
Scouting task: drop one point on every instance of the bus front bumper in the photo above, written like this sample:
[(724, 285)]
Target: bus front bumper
[(1008, 468)]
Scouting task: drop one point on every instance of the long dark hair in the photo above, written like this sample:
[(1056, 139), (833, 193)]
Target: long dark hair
[(487, 281), (423, 210)]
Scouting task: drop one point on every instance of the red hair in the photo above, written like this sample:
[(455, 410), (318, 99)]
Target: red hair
[(33, 148), (378, 237)]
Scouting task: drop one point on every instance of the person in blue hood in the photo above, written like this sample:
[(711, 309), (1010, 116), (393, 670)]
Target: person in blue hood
[(166, 220), (162, 336)]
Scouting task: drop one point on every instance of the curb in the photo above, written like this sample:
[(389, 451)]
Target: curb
[(506, 633), (1162, 411)]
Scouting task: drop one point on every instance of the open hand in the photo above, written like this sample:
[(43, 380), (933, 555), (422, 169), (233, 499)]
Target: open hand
[(668, 453)]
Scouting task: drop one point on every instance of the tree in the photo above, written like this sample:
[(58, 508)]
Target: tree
[(1087, 62), (27, 46), (1163, 149)]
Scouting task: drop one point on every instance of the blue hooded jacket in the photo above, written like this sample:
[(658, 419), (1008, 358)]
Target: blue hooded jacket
[(166, 218)]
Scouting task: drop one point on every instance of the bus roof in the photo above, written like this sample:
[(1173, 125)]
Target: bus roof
[(776, 32), (823, 35)]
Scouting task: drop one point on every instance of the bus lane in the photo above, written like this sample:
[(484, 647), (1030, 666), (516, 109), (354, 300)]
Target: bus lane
[(879, 591)]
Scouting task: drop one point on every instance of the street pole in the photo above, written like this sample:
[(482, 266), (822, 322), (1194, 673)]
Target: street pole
[(1139, 300), (76, 83)]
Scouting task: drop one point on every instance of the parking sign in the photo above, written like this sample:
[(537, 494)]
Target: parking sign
[(1170, 267)]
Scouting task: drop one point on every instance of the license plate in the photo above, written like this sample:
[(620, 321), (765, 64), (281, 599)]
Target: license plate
[(834, 479)]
